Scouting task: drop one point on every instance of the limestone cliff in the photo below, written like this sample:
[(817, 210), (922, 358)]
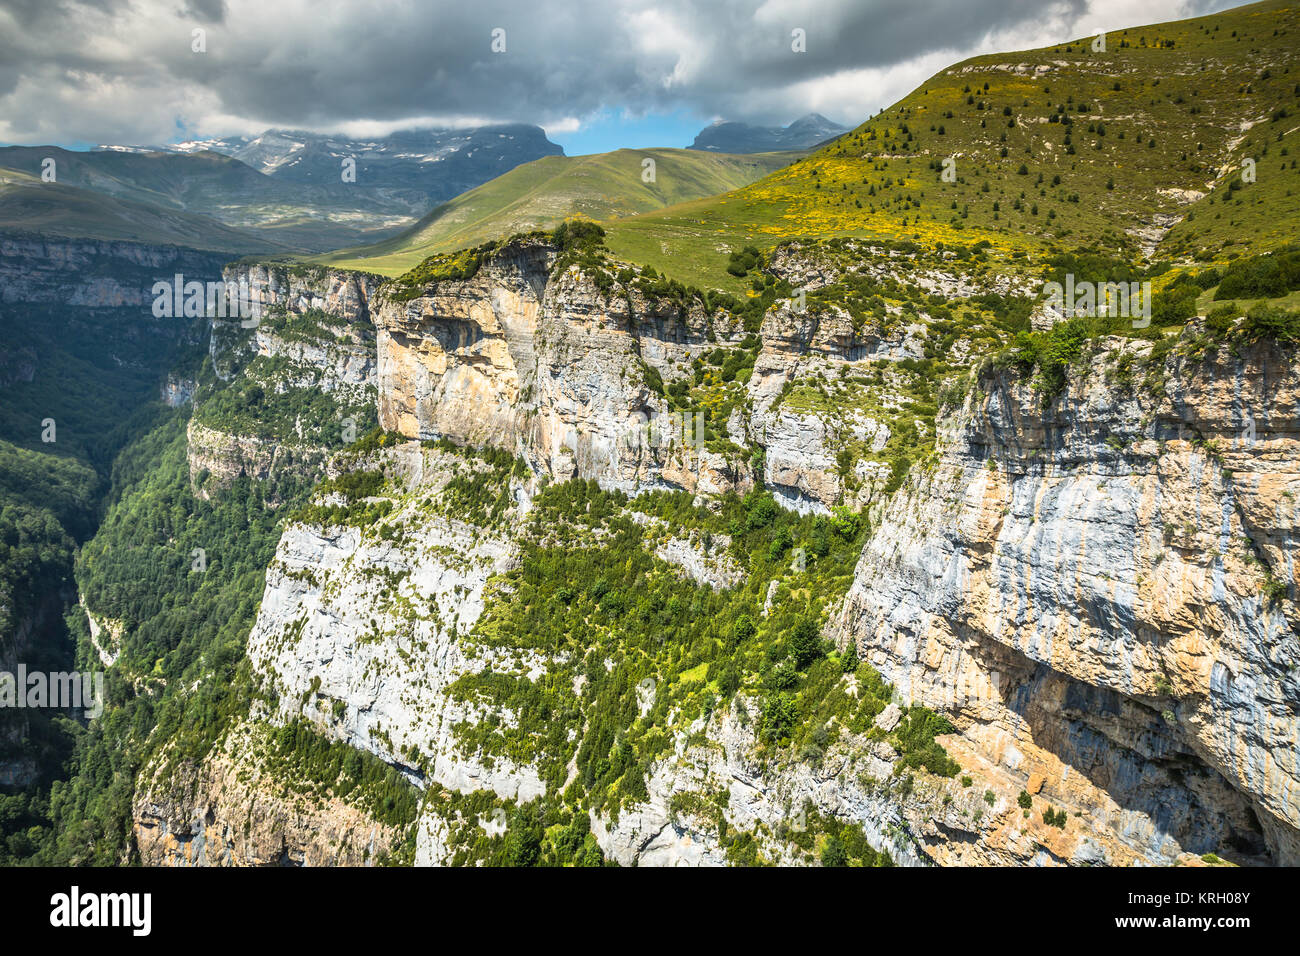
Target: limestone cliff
[(1095, 587), (541, 362), (358, 630), (233, 809), (308, 332), (1085, 588), (94, 273)]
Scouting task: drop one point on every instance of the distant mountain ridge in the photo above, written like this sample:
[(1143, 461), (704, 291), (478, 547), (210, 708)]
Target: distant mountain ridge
[(804, 133), (283, 190), (438, 163)]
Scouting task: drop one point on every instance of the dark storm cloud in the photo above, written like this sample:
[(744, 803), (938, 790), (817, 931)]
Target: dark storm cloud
[(129, 70), (207, 11)]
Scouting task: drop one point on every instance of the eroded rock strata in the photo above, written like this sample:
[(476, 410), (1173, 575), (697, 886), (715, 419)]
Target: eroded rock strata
[(1083, 584)]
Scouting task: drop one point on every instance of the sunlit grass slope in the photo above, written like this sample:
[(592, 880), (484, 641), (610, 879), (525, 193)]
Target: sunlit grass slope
[(541, 194), (1065, 146)]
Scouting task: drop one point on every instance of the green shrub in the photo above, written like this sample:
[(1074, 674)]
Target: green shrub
[(1261, 277)]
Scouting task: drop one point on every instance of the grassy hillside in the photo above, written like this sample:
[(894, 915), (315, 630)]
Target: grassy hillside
[(1061, 146), (540, 194)]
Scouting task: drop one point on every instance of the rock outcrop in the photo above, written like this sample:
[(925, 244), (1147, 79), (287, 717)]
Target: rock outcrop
[(312, 328), (342, 293), (217, 458), (358, 631), (233, 809), (94, 273), (542, 363)]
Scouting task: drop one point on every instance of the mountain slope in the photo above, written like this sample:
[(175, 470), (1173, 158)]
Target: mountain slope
[(284, 215), (55, 209), (196, 182), (540, 194), (1060, 145), (285, 187)]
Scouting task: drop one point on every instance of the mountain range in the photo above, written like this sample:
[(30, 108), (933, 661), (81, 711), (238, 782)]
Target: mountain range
[(429, 165), (285, 190), (279, 191)]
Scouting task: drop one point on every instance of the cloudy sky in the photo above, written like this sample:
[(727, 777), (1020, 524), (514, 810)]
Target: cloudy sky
[(597, 74)]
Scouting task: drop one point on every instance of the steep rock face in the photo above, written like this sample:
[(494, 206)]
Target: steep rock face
[(360, 632), (849, 783), (339, 351), (314, 329), (357, 632), (342, 293), (822, 436), (233, 810), (1081, 588), (453, 362), (105, 635), (801, 444), (217, 458), (93, 272), (176, 391), (542, 363), (1087, 610), (26, 628)]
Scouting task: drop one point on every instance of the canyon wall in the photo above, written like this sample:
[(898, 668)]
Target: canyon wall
[(1085, 589), (1094, 587)]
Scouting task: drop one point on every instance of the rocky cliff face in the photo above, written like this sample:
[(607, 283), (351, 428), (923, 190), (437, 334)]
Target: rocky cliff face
[(92, 272), (334, 351), (217, 458), (19, 642), (235, 810), (801, 441), (543, 363), (362, 632), (357, 631), (1095, 589), (1086, 589), (366, 634), (549, 364), (307, 332), (343, 294)]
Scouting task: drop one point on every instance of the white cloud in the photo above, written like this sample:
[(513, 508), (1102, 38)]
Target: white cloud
[(119, 71), (570, 124)]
